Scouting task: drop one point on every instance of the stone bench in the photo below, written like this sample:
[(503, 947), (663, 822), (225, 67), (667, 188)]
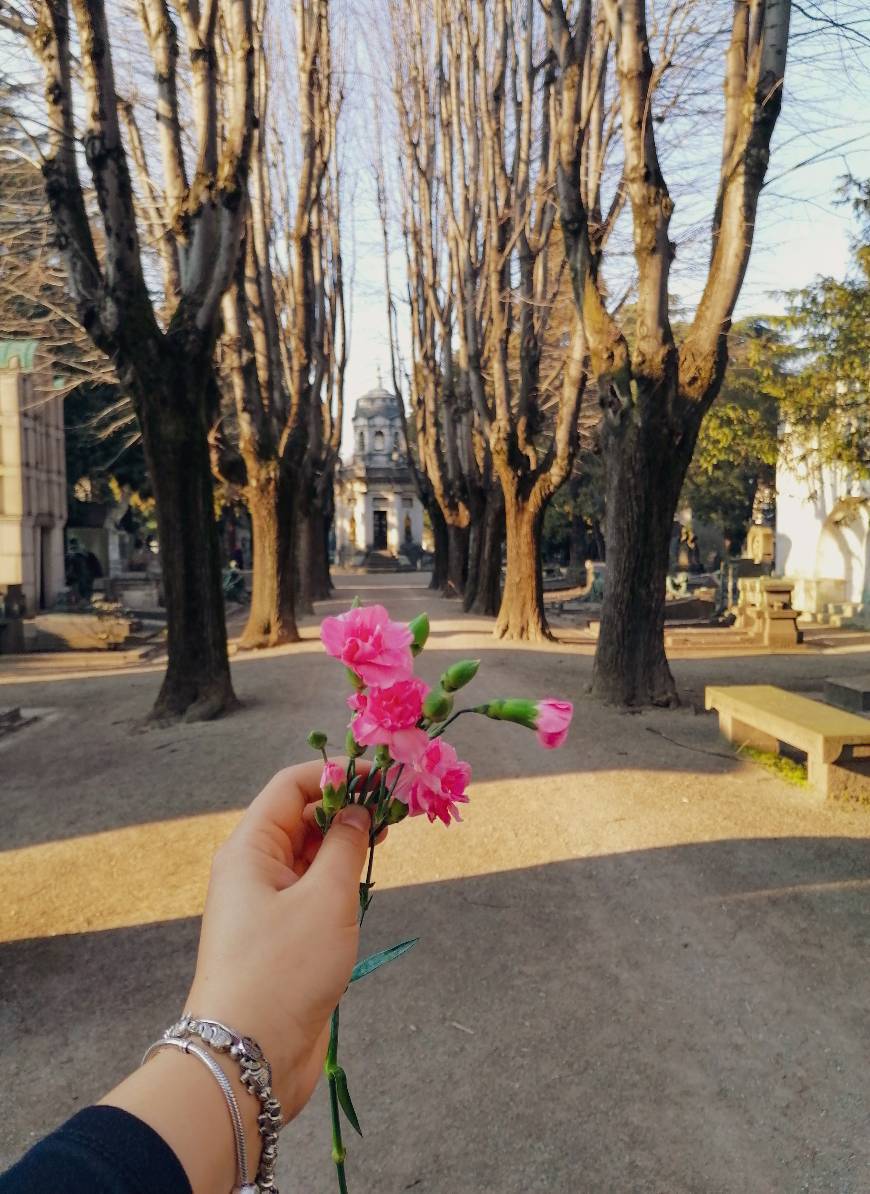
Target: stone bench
[(836, 742)]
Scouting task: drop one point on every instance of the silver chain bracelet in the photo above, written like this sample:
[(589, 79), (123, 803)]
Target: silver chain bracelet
[(256, 1075), (188, 1046)]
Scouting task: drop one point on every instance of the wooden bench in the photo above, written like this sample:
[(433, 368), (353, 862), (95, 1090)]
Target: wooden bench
[(836, 742)]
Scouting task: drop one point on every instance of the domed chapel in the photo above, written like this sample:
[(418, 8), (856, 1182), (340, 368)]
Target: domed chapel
[(376, 502)]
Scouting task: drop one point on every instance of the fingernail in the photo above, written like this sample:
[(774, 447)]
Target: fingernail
[(356, 816)]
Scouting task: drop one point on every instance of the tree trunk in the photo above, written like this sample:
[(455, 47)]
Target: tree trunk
[(457, 561), (578, 544), (645, 472), (439, 538), (521, 615), (475, 549), (313, 560), (272, 618), (197, 684), (483, 590)]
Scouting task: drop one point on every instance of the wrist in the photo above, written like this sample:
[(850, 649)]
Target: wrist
[(178, 1097)]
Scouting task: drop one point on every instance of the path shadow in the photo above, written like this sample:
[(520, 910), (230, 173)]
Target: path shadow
[(675, 1020)]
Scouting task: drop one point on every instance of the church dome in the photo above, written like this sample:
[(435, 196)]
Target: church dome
[(377, 401)]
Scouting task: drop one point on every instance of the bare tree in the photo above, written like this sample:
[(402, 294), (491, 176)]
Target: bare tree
[(397, 373), (282, 319), (161, 345), (34, 297), (493, 115), (654, 392), (433, 379), (327, 408)]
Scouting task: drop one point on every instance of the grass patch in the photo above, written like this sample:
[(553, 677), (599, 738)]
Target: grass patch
[(781, 766)]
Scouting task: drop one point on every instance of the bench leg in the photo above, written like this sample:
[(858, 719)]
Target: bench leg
[(847, 779), (742, 734)]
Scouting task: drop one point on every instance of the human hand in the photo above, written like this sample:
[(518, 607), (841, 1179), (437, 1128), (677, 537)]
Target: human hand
[(280, 934)]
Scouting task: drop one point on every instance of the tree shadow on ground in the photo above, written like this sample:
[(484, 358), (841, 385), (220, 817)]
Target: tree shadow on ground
[(684, 1019)]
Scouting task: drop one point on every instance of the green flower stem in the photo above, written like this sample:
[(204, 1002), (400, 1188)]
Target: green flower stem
[(338, 1150), (450, 720), (339, 1153), (365, 888)]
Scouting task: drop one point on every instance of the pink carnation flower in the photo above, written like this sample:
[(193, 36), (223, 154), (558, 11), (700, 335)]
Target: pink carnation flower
[(374, 648), (554, 719), (333, 776), (388, 717), (434, 783)]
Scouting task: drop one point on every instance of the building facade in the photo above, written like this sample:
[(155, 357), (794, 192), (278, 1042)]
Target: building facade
[(376, 502), (33, 505), (823, 537)]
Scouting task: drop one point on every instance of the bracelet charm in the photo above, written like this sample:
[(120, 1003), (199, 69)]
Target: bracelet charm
[(256, 1077)]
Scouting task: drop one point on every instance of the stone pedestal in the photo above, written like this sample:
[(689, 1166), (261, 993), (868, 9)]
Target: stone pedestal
[(764, 609)]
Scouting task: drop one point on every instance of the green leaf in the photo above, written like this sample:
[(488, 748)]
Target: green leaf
[(321, 818), (367, 965), (344, 1099)]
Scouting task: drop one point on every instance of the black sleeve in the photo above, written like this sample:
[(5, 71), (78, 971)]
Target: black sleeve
[(101, 1150)]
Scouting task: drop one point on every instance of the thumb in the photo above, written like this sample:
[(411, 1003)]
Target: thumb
[(340, 859)]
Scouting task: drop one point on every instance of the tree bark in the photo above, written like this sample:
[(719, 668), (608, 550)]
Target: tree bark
[(439, 554), (521, 616), (645, 469), (272, 617), (313, 560), (483, 587), (197, 683), (457, 561)]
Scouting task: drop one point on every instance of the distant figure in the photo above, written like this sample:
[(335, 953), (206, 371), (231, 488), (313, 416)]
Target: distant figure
[(688, 552)]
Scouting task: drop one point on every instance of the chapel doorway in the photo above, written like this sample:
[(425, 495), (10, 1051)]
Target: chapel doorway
[(380, 538)]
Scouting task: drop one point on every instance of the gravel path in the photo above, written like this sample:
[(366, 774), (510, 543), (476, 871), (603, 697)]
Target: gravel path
[(643, 963)]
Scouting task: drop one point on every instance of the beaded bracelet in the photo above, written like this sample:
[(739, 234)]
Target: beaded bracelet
[(256, 1075), (188, 1046)]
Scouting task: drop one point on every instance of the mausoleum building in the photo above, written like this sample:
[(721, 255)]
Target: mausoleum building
[(823, 537), (376, 503), (32, 478)]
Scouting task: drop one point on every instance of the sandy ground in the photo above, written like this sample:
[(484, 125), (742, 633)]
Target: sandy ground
[(643, 962)]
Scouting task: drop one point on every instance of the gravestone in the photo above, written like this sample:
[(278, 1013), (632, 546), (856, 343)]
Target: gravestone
[(849, 692)]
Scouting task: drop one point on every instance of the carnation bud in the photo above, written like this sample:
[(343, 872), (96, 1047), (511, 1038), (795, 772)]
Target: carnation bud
[(459, 674), (438, 705), (317, 739), (419, 628), (356, 603), (382, 757), (333, 799), (522, 712), (396, 812), (351, 747)]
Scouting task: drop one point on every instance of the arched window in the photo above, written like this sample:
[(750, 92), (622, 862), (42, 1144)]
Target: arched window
[(379, 441), (395, 441), (361, 441)]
